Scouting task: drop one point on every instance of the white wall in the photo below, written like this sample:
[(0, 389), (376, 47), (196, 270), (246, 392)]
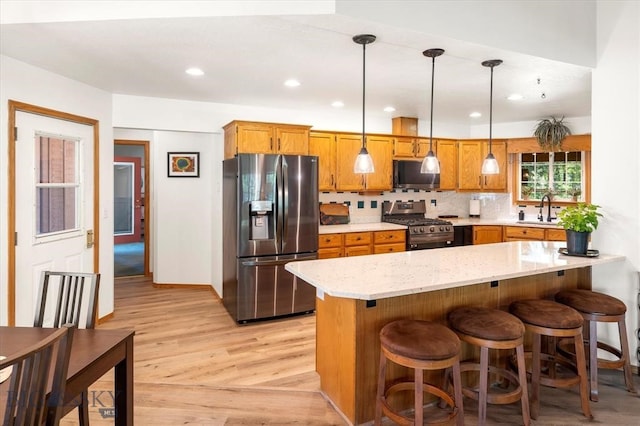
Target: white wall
[(25, 83), (616, 154), (181, 211)]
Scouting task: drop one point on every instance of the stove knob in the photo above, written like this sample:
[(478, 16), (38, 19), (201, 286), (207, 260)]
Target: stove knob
[(448, 228), (441, 229), (422, 230), (432, 229)]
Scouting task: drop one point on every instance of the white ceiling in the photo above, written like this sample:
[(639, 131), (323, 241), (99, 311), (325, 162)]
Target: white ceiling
[(246, 59)]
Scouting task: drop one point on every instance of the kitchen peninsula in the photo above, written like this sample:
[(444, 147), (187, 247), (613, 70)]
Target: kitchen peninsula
[(357, 296)]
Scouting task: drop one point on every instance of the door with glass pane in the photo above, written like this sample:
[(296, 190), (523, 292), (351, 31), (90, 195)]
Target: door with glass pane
[(127, 200), (54, 226)]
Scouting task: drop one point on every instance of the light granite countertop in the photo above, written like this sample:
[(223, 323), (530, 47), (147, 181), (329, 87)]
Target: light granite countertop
[(383, 226), (397, 274)]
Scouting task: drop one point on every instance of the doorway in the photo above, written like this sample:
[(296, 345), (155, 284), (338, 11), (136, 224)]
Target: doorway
[(131, 208)]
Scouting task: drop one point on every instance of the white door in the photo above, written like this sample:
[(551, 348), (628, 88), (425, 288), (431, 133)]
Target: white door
[(54, 203)]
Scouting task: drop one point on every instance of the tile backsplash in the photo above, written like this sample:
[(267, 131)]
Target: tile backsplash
[(367, 208)]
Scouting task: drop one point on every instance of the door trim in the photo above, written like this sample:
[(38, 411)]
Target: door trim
[(147, 196), (14, 107)]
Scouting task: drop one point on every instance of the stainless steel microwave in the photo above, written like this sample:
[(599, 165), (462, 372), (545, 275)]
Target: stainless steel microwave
[(407, 175)]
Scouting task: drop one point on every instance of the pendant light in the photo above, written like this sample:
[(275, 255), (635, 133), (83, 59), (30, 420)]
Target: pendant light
[(364, 163), (490, 164), (430, 163)]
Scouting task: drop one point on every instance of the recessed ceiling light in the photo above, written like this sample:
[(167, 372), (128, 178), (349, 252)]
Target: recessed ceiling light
[(515, 97), (292, 83), (337, 104), (475, 115), (194, 71), (389, 109)]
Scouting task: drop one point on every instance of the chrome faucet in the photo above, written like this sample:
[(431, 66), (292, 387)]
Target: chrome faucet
[(549, 218)]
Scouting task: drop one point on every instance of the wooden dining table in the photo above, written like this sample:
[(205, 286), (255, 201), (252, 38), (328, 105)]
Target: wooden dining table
[(93, 354)]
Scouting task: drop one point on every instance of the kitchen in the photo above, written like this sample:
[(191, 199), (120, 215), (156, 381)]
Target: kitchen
[(129, 114)]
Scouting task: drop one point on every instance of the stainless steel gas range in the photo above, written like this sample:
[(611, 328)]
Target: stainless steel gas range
[(422, 233)]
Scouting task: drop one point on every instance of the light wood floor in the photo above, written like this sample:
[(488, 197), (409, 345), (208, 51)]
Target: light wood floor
[(194, 365)]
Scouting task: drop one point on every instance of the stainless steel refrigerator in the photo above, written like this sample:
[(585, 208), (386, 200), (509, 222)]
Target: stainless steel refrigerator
[(270, 217)]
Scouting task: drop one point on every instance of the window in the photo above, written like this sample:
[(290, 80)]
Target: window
[(561, 174), (57, 184)]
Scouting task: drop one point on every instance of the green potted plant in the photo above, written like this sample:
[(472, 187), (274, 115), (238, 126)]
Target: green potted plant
[(526, 191), (550, 133), (579, 221), (574, 192)]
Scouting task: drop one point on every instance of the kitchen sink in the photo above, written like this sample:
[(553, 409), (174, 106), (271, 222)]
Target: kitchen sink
[(536, 222)]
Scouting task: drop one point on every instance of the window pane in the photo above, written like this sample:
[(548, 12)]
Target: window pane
[(57, 159), (560, 172), (123, 198), (57, 210)]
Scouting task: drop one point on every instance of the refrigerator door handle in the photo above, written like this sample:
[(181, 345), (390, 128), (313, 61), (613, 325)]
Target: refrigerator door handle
[(285, 204), (277, 262), (279, 206)]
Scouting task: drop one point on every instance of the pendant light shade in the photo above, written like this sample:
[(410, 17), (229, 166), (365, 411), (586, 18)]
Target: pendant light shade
[(490, 164), (430, 163), (364, 162)]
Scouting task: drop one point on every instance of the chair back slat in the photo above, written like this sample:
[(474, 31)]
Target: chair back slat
[(27, 402), (75, 295)]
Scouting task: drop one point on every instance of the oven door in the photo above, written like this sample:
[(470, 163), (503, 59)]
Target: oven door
[(429, 245)]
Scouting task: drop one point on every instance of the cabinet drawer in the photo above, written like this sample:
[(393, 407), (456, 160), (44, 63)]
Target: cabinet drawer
[(524, 233), (380, 237), (357, 251), (329, 240), (330, 253), (388, 248), (357, 238), (556, 235)]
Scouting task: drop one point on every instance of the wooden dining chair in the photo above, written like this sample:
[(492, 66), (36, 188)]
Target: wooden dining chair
[(27, 402), (69, 298)]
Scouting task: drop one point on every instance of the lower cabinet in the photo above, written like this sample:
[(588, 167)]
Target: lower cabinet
[(360, 243), (487, 234), (522, 233)]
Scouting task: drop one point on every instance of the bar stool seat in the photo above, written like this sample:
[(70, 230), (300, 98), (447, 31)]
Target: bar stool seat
[(598, 307), (492, 329), (420, 345), (549, 318)]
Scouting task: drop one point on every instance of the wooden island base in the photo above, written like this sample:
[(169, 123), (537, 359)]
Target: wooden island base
[(347, 343)]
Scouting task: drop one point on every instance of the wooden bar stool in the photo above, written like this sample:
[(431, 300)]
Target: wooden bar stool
[(420, 345), (597, 307), (549, 318), (492, 329)]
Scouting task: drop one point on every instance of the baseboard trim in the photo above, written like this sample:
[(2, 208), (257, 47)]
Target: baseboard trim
[(106, 318)]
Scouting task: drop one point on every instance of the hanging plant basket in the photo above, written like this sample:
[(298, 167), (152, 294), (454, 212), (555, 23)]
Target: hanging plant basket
[(550, 133)]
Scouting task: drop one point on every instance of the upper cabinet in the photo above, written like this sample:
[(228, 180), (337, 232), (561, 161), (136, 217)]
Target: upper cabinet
[(323, 145), (381, 150), (265, 138), (471, 154), (410, 147), (447, 153)]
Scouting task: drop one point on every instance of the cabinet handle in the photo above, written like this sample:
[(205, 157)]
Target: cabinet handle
[(279, 144), (271, 143), (480, 180), (332, 182)]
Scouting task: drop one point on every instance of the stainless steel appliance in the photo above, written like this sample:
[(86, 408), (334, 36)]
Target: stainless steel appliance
[(422, 233), (270, 217), (407, 175)]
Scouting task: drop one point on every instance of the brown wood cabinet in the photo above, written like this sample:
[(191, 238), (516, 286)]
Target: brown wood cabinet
[(380, 148), (520, 233), (487, 234), (410, 147), (323, 145), (447, 152), (360, 243), (471, 154), (265, 138), (523, 233)]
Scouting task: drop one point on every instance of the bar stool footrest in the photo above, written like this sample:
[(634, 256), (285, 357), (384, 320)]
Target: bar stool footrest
[(506, 397), (428, 389)]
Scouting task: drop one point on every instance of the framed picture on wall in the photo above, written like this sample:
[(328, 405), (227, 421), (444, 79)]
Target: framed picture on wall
[(183, 164)]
